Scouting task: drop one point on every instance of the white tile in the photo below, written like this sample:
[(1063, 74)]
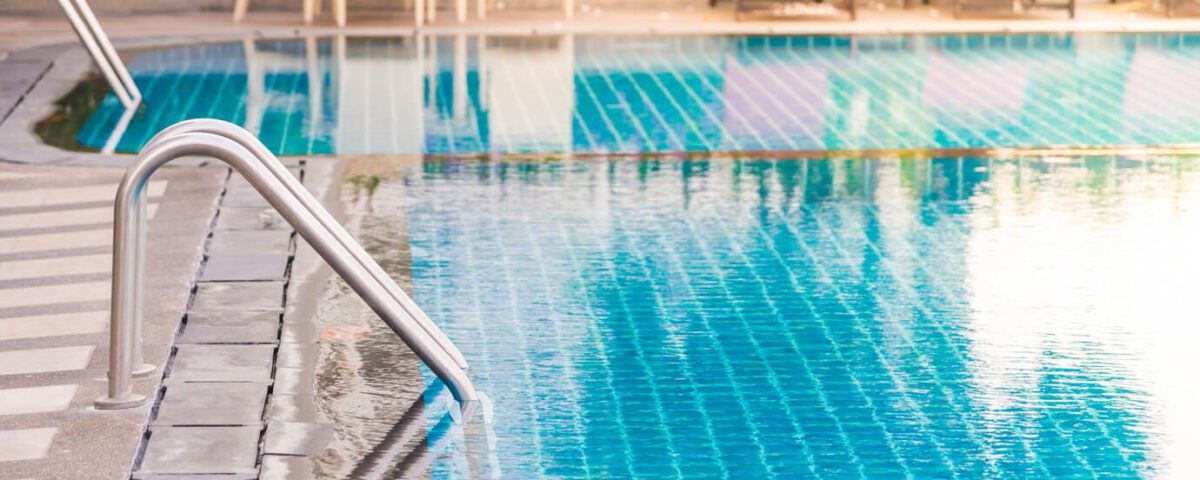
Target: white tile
[(52, 398), (64, 195), (53, 325), (72, 292), (63, 218), (28, 444), (15, 175), (41, 360), (49, 267), (56, 241)]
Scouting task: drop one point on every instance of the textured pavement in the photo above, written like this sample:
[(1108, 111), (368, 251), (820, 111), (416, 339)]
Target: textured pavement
[(55, 261)]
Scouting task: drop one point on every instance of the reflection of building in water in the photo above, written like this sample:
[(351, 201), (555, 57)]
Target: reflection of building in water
[(379, 104), (529, 92)]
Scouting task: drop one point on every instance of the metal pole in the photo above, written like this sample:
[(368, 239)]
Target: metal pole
[(297, 191), (110, 53), (89, 42), (128, 223)]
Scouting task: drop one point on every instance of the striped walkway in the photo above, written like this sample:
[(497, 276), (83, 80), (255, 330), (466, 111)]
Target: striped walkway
[(55, 259)]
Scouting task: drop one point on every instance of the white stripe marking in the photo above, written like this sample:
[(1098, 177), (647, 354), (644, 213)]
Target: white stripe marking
[(49, 267), (63, 218), (56, 241), (74, 292), (28, 444), (66, 195), (52, 398), (42, 360), (53, 325)]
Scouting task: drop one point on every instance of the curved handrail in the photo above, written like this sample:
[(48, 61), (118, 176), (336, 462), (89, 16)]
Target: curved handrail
[(128, 223), (264, 156)]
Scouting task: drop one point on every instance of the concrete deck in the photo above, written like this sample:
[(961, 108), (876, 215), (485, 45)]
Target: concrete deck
[(55, 244)]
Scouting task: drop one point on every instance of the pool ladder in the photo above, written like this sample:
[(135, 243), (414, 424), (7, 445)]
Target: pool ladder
[(84, 22), (246, 155)]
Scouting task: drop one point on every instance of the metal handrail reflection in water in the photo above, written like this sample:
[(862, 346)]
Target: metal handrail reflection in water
[(422, 435), (262, 172)]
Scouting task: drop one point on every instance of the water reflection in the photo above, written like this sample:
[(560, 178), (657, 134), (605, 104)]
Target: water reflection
[(963, 317), (553, 94)]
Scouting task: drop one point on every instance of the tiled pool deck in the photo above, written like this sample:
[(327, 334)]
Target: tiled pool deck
[(54, 235)]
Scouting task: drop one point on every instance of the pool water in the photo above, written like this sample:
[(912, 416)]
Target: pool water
[(948, 318), (582, 94)]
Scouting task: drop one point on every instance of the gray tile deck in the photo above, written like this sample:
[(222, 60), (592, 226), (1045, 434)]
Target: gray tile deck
[(238, 296), (201, 450), (252, 241), (231, 327), (248, 218), (222, 363), (286, 467), (296, 438), (25, 444), (212, 404), (245, 267)]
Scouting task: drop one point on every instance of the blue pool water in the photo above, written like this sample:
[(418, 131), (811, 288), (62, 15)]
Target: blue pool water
[(554, 94), (947, 318)]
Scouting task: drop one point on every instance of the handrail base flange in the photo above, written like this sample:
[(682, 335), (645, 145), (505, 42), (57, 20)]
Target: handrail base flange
[(131, 400), (144, 370)]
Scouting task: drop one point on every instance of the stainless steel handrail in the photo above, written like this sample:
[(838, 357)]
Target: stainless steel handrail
[(264, 155), (128, 224), (87, 27)]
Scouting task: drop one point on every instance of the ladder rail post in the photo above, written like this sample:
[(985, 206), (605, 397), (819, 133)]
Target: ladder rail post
[(93, 48), (110, 52), (129, 224), (264, 156)]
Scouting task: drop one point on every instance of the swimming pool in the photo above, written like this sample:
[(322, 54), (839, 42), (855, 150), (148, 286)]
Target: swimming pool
[(895, 318), (580, 94)]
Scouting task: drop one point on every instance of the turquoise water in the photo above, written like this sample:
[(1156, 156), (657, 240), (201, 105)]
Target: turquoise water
[(553, 94), (947, 318)]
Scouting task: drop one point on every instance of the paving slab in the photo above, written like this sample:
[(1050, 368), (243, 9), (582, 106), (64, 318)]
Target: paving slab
[(238, 296), (212, 404), (244, 197), (293, 408), (296, 438), (57, 241), (244, 267), (31, 296), (41, 360), (78, 323), (51, 398), (200, 450), (247, 218), (215, 476), (297, 355), (222, 363), (73, 194), (62, 218), (25, 444), (287, 467), (252, 241), (45, 267), (294, 381), (231, 327)]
